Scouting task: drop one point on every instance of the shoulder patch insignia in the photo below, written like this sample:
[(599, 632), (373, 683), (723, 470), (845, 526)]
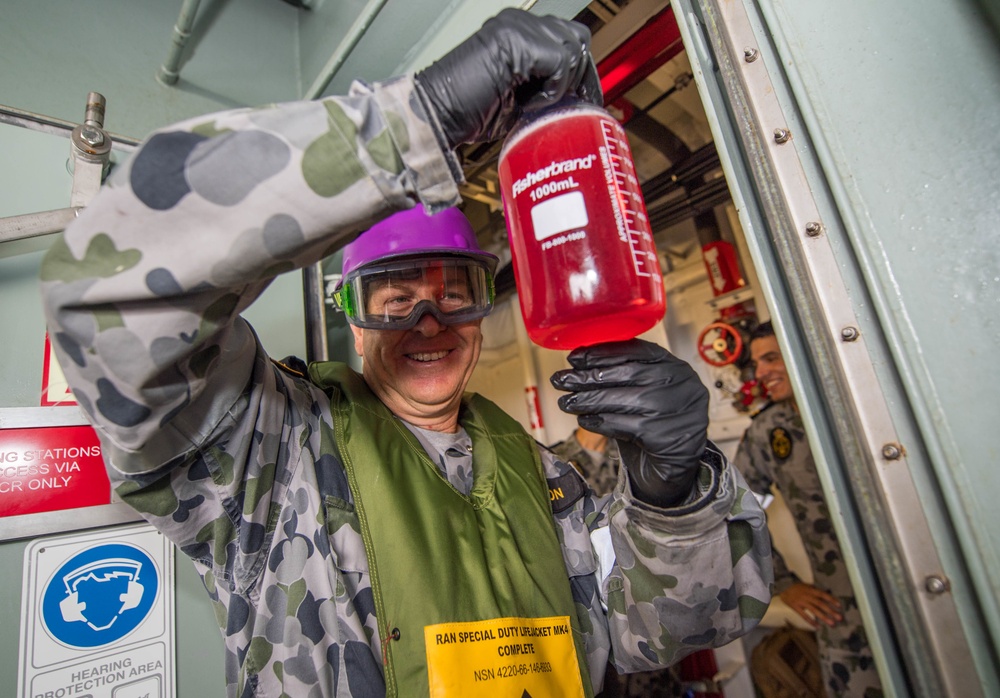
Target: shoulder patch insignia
[(292, 365), (564, 491), (781, 443)]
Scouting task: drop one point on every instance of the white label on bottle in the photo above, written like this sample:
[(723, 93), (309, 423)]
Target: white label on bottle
[(558, 214)]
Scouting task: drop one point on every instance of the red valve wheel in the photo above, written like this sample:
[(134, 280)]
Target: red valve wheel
[(724, 349)]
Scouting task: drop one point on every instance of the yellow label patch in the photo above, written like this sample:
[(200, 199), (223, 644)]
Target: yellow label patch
[(503, 657), (781, 443)]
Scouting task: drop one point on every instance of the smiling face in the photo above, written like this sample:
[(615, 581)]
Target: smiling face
[(769, 367), (420, 373)]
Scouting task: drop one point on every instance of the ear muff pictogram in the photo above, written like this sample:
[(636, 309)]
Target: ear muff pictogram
[(72, 609), (132, 596)]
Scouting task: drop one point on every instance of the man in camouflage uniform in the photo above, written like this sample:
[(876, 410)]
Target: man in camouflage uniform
[(596, 457), (257, 472), (774, 452)]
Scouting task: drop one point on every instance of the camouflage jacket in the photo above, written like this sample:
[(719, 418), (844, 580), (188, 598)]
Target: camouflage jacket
[(228, 455), (775, 452)]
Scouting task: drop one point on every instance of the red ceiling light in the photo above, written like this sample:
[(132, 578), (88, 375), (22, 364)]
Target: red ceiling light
[(640, 55)]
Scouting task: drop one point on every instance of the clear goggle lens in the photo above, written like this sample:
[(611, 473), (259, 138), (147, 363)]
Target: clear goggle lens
[(395, 296)]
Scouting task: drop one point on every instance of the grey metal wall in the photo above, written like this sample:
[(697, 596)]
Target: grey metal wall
[(860, 139), (52, 52)]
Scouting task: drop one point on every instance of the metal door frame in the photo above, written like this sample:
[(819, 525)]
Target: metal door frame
[(815, 288)]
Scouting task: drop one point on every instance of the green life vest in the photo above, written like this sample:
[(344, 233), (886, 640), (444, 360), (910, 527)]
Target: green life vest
[(435, 555)]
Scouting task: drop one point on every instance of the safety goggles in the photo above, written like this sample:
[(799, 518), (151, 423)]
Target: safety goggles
[(395, 295)]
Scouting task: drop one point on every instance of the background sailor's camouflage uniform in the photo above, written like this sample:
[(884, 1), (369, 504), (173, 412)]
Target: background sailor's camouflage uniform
[(235, 459), (599, 469), (601, 472), (775, 451)]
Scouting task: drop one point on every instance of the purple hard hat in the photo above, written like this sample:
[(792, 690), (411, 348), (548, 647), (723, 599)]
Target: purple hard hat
[(415, 232)]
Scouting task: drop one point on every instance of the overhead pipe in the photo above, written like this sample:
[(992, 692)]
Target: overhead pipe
[(31, 225), (314, 292), (638, 57), (170, 70), (354, 34), (55, 127)]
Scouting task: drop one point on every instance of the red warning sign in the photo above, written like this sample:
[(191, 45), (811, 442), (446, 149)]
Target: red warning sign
[(50, 469)]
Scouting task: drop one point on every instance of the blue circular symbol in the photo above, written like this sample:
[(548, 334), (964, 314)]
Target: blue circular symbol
[(100, 595)]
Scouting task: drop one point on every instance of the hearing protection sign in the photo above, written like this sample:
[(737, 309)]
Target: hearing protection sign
[(514, 657), (97, 616)]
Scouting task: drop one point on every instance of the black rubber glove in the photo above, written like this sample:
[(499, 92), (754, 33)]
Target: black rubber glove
[(649, 401), (515, 62)]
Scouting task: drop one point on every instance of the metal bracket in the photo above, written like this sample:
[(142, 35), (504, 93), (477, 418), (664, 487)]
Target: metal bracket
[(90, 158), (90, 152)]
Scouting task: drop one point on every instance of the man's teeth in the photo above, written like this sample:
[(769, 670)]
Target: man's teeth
[(429, 356)]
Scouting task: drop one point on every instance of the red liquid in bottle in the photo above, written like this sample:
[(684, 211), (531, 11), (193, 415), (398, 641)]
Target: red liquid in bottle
[(584, 259)]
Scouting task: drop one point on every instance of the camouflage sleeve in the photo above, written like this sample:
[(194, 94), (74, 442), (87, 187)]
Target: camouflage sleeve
[(689, 578), (783, 576), (758, 479), (143, 292)]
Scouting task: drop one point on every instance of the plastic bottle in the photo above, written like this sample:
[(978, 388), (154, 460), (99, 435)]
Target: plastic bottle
[(584, 258)]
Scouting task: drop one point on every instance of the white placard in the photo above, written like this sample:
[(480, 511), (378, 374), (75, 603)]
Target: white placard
[(559, 214), (97, 616)]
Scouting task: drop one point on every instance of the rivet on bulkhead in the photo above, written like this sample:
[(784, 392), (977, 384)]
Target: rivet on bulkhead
[(892, 452), (936, 584), (849, 334)]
